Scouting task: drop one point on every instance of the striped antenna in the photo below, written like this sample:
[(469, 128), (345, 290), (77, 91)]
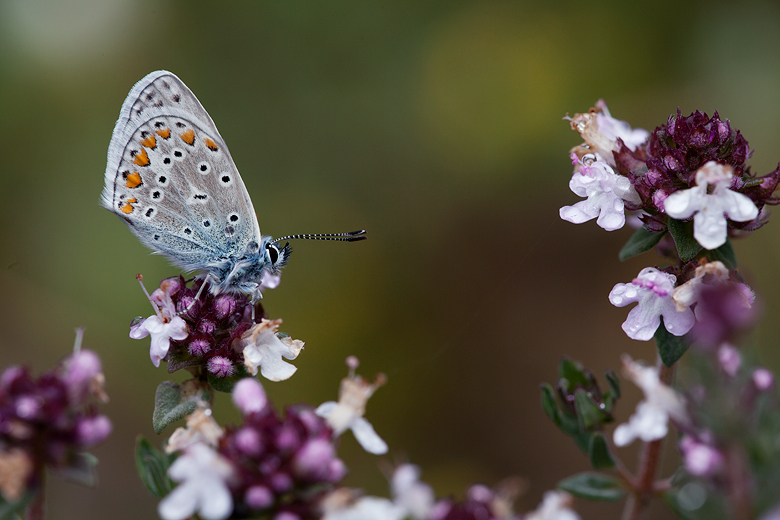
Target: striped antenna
[(350, 236)]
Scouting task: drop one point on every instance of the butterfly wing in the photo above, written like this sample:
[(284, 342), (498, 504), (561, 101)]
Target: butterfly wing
[(171, 178)]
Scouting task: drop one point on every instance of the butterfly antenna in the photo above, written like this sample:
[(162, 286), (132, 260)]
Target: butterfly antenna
[(351, 236)]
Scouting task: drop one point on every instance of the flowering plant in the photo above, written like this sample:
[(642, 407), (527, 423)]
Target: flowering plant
[(688, 191)]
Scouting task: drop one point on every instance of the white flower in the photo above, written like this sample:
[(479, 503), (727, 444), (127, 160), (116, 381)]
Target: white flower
[(348, 412), (650, 420), (652, 289), (710, 210), (411, 499), (687, 294), (365, 508), (415, 497), (606, 191), (263, 348), (556, 505), (203, 476), (601, 131), (163, 330)]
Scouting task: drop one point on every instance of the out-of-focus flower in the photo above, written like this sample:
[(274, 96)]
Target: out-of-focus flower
[(710, 202), (701, 459), (556, 505), (262, 347), (600, 131), (606, 192), (661, 403), (652, 290), (729, 359), (47, 422), (348, 412), (203, 475), (201, 429)]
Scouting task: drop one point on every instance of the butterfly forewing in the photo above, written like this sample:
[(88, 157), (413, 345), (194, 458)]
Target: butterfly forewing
[(171, 178)]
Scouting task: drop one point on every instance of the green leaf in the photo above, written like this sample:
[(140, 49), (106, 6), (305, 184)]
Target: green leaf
[(573, 372), (670, 347), (682, 233), (593, 486), (598, 452), (550, 405), (642, 240), (725, 254), (170, 405), (152, 466), (226, 384), (614, 382), (13, 510), (589, 415)]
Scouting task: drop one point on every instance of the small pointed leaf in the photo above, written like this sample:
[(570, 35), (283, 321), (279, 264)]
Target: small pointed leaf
[(670, 347), (642, 240), (573, 372), (598, 452), (550, 405), (170, 406), (589, 414), (682, 233), (593, 486), (152, 466)]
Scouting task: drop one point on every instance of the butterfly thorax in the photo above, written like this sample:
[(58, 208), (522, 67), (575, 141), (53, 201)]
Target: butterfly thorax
[(243, 273)]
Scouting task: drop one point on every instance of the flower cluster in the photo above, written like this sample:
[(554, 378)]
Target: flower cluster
[(218, 335), (691, 167), (281, 466), (49, 421)]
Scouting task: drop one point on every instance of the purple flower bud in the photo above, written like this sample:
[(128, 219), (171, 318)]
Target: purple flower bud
[(247, 440), (11, 375), (199, 346), (337, 470), (206, 326), (92, 430), (81, 370), (313, 459), (224, 305), (281, 482), (27, 407), (259, 497), (220, 366), (729, 359), (287, 438), (763, 379), (701, 459), (249, 396), (480, 493), (286, 515)]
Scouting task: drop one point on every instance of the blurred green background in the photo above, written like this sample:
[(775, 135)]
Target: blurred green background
[(436, 126)]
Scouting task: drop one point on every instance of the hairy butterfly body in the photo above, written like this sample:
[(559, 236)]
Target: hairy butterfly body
[(171, 178)]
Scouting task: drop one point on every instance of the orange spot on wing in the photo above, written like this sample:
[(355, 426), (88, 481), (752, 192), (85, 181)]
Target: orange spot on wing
[(188, 137), (133, 180), (141, 158), (165, 133), (127, 208), (150, 142), (211, 144)]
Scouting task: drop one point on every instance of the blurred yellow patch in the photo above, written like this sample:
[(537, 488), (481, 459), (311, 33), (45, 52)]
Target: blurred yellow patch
[(492, 81)]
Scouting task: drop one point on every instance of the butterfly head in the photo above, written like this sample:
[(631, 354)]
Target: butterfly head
[(274, 256)]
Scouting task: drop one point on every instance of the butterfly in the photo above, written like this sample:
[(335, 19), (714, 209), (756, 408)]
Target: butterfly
[(171, 179)]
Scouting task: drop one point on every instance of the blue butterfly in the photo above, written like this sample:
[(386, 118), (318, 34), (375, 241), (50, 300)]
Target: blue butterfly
[(171, 178)]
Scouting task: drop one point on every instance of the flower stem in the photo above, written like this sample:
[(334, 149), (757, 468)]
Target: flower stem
[(644, 483)]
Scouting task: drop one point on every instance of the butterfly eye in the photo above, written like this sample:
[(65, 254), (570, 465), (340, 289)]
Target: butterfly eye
[(273, 253)]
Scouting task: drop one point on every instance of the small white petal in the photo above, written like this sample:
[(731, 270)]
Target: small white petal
[(367, 437)]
